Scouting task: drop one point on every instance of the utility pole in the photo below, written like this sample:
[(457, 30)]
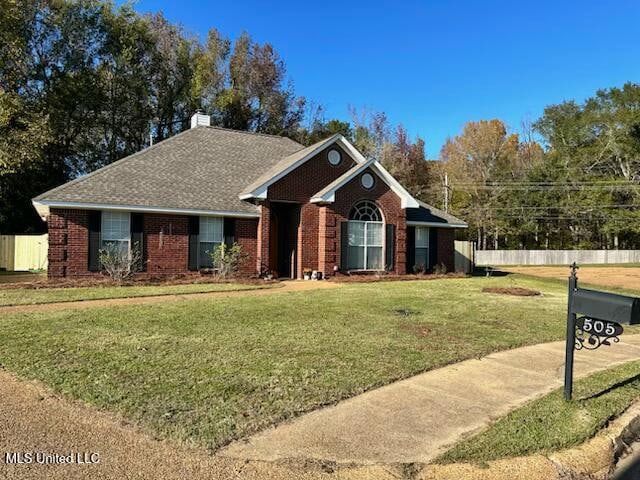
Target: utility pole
[(446, 192)]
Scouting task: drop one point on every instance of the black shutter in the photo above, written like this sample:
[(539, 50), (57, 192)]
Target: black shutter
[(229, 231), (411, 249), (137, 241), (433, 248), (390, 244), (194, 234), (95, 225), (344, 246)]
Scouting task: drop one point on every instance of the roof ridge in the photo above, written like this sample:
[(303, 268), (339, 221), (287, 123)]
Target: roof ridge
[(247, 132), (109, 166)]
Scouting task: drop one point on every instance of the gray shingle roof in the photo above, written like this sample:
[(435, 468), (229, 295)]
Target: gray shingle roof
[(429, 214), (200, 169)]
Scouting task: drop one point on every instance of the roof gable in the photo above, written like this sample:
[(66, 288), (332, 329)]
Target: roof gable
[(258, 188), (327, 194)]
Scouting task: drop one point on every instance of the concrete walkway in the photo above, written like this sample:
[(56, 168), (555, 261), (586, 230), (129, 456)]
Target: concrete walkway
[(415, 420), (286, 286)]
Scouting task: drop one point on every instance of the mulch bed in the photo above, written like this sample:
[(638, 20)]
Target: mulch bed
[(517, 291), (143, 280)]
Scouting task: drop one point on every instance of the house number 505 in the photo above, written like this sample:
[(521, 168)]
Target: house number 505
[(599, 327)]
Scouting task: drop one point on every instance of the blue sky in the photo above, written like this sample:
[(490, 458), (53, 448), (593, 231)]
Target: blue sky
[(431, 65)]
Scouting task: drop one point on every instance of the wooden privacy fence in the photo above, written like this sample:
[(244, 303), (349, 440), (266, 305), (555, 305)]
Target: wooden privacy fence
[(21, 253), (463, 256), (555, 257)]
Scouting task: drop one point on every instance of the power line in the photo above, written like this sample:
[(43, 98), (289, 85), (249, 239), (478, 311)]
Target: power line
[(581, 182), (542, 188), (560, 207)]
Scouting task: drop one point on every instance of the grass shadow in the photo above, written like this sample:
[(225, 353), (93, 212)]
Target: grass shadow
[(489, 272), (611, 388)]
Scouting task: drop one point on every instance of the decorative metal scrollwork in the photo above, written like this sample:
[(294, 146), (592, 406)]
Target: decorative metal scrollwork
[(592, 334)]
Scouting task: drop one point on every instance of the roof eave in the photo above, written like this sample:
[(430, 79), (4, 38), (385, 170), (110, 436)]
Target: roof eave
[(43, 208), (406, 199), (436, 224)]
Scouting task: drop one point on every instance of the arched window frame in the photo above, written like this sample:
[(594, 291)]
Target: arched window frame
[(366, 237)]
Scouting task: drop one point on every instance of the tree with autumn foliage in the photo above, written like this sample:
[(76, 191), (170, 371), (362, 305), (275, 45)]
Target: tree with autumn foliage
[(478, 162), (84, 83)]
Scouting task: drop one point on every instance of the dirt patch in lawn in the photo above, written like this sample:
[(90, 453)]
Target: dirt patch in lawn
[(416, 329), (516, 291), (621, 277)]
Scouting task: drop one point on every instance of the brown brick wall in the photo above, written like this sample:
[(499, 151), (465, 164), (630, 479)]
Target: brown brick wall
[(68, 243), (446, 253), (264, 229), (246, 234), (166, 243)]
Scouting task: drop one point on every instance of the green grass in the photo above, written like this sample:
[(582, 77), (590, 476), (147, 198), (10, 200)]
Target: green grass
[(212, 370), (550, 424), (31, 296)]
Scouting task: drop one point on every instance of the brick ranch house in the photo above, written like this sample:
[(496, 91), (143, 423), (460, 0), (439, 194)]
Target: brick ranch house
[(324, 207)]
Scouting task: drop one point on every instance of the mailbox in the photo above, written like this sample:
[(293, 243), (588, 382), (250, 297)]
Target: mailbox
[(606, 306)]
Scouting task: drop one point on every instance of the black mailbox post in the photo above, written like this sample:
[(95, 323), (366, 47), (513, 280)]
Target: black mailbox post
[(602, 313)]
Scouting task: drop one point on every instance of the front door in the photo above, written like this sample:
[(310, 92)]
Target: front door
[(285, 220)]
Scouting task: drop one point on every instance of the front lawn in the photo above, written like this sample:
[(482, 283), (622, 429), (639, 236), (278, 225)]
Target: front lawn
[(550, 424), (211, 370), (32, 296)]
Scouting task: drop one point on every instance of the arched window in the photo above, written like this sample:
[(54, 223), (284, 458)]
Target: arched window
[(365, 211), (365, 237)]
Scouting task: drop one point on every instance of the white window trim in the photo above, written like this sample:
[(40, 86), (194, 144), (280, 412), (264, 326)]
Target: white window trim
[(366, 247), (102, 229), (200, 241)]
